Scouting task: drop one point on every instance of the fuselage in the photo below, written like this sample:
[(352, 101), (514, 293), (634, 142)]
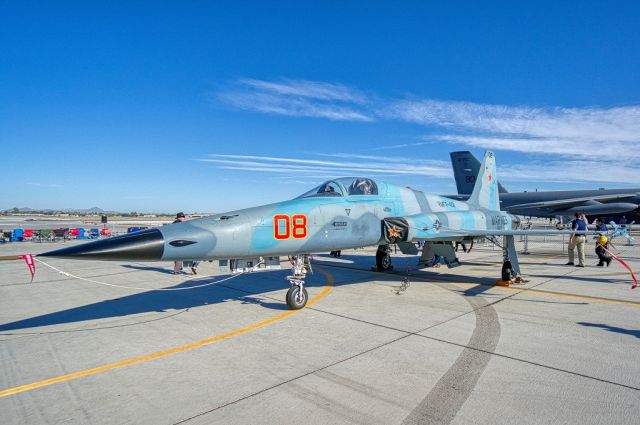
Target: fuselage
[(339, 214), (317, 222)]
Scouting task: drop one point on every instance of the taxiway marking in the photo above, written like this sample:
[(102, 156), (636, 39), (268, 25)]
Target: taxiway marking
[(525, 291), (522, 290), (140, 359)]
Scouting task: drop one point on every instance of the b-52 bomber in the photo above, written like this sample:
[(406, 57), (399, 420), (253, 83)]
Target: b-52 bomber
[(612, 203), (339, 214)]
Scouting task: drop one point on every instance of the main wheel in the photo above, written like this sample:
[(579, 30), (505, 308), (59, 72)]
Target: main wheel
[(383, 260), (507, 271), (297, 299)]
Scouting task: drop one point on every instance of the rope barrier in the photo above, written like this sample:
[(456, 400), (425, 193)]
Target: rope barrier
[(134, 287)]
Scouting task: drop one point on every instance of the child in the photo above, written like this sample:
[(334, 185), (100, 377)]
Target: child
[(603, 255)]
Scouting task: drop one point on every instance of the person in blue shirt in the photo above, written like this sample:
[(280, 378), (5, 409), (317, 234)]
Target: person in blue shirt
[(601, 225), (577, 240)]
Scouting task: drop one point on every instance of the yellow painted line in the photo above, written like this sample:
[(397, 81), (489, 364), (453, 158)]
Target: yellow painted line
[(9, 257), (28, 387)]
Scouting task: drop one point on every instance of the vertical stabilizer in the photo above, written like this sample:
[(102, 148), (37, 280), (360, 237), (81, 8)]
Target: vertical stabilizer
[(485, 191), (465, 171)]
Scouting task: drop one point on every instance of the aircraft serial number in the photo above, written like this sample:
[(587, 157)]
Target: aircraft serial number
[(498, 219), (286, 227), (443, 204)]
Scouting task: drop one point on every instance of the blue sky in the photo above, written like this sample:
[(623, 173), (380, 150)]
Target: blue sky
[(156, 106)]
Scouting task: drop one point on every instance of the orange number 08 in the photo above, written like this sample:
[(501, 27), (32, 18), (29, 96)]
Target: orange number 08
[(285, 226)]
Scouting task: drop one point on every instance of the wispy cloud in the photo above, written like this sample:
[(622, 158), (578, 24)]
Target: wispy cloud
[(620, 124), (45, 185), (554, 131), (305, 88), (323, 168), (569, 138), (298, 98), (563, 171)]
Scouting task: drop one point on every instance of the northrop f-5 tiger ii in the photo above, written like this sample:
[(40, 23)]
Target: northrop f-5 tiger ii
[(338, 214)]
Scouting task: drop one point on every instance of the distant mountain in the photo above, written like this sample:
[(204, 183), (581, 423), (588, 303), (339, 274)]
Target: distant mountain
[(91, 211), (27, 210)]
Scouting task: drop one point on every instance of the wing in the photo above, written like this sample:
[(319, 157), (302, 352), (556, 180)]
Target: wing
[(424, 228), (571, 202)]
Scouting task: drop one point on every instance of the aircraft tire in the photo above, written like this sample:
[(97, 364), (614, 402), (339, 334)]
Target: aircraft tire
[(295, 300), (507, 271), (383, 259)]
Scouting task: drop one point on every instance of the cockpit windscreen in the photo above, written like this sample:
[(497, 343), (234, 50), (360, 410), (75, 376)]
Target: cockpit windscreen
[(345, 186)]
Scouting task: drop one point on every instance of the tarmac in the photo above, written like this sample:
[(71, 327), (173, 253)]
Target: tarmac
[(103, 344)]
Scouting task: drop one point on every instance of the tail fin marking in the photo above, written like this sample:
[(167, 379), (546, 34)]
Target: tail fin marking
[(485, 192)]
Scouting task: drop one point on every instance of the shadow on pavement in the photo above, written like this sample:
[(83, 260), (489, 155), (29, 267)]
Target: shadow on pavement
[(632, 332)]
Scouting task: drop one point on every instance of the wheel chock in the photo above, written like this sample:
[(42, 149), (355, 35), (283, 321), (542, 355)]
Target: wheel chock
[(503, 283), (519, 280)]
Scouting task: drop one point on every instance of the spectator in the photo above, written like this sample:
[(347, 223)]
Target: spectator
[(601, 225), (577, 240), (177, 265), (601, 246)]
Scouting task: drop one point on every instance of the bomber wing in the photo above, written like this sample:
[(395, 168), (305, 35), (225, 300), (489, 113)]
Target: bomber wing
[(571, 202)]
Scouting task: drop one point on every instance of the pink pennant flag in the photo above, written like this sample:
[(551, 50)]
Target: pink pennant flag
[(633, 276), (28, 258)]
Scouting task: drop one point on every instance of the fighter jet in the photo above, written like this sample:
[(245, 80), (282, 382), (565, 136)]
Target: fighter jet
[(612, 203), (338, 214)]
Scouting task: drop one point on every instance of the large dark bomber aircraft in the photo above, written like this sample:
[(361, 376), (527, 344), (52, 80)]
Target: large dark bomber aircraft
[(612, 203)]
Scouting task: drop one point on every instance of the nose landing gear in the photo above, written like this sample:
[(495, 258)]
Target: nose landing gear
[(297, 295)]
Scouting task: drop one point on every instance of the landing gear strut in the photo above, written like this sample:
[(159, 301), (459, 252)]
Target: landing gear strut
[(297, 295), (507, 271), (510, 265), (383, 258)]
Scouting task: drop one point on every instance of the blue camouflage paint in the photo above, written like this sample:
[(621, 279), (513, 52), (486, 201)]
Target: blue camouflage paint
[(468, 222)]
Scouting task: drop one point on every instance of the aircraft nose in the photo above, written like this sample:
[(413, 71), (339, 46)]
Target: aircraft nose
[(143, 245)]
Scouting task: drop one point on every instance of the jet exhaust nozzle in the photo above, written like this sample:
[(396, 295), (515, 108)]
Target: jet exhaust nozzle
[(145, 245)]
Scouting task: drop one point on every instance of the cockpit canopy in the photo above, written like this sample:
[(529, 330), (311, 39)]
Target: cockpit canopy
[(345, 186)]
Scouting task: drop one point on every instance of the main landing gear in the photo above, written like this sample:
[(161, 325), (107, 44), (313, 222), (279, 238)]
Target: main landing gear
[(510, 265), (383, 258), (297, 295)]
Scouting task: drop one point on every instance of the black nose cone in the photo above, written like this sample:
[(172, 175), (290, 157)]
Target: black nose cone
[(144, 245)]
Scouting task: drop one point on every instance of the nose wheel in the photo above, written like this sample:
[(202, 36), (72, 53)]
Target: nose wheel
[(297, 295)]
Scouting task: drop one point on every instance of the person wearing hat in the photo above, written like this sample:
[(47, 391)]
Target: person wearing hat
[(601, 252), (177, 265)]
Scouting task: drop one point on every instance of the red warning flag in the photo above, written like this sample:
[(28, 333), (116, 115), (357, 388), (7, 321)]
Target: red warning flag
[(633, 276), (28, 258)]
